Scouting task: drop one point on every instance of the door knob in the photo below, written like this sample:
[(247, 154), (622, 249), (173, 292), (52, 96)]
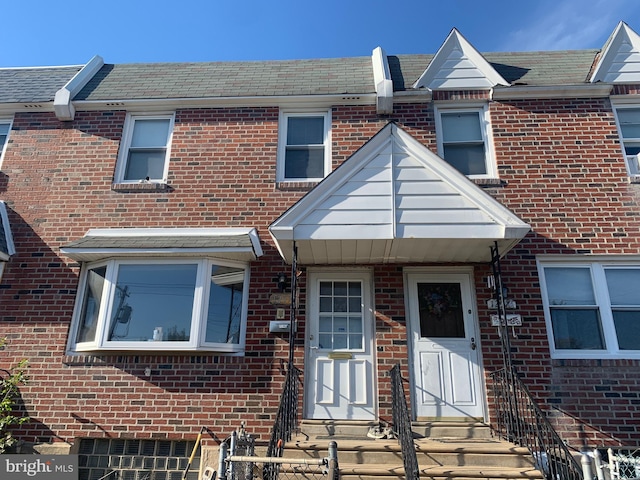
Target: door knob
[(473, 343)]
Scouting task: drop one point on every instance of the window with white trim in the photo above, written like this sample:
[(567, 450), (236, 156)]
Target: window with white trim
[(463, 136), (5, 128), (144, 152), (628, 119), (592, 309), (177, 304), (303, 146)]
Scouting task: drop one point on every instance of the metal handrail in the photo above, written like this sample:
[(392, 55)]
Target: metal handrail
[(520, 420), (402, 425), (287, 417)]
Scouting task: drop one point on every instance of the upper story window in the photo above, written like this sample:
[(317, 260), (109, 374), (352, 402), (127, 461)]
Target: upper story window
[(592, 309), (629, 128), (303, 147), (5, 128), (144, 153), (161, 305), (464, 140)]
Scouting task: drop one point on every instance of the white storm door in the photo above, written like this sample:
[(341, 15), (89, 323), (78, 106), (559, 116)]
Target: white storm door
[(446, 363), (339, 347)]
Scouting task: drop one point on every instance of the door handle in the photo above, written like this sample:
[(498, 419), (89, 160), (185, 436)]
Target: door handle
[(473, 343)]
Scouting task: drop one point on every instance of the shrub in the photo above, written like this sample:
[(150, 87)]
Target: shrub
[(10, 380)]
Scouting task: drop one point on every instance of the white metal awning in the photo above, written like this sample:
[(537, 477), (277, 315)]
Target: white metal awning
[(395, 201), (242, 244)]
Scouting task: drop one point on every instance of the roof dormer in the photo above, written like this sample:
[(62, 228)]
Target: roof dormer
[(459, 66), (620, 58)]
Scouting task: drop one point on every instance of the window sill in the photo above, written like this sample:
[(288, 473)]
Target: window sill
[(296, 186), (140, 187), (93, 353), (634, 179), (488, 182)]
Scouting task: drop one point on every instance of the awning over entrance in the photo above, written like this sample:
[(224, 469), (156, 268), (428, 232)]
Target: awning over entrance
[(396, 201), (240, 244)]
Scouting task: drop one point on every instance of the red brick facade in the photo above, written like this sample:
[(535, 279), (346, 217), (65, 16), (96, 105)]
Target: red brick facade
[(561, 171)]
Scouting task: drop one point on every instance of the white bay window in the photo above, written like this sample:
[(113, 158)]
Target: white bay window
[(166, 305), (163, 289)]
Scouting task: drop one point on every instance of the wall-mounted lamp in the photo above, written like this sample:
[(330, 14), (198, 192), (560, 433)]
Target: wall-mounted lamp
[(282, 281)]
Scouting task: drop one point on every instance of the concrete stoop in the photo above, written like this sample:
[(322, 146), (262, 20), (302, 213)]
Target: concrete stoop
[(445, 450)]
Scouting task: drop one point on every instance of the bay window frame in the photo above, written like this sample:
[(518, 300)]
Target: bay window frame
[(197, 333)]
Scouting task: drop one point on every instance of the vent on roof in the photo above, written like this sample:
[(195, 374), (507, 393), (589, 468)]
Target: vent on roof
[(32, 105)]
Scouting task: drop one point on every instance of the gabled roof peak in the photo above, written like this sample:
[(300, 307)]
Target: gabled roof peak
[(620, 57), (458, 66)]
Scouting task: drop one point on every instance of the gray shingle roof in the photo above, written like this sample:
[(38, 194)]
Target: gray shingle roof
[(335, 76), (27, 85), (160, 242), (230, 79), (566, 67)]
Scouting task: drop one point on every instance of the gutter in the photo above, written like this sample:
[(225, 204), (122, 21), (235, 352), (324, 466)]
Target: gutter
[(62, 104), (382, 81)]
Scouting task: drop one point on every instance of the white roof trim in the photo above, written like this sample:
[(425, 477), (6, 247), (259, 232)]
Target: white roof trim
[(62, 104), (458, 65), (11, 250), (620, 57), (383, 82)]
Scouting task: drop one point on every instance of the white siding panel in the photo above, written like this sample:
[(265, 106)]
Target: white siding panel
[(348, 217), (423, 188), (461, 74), (449, 231), (443, 217), (372, 175), (343, 202), (415, 174), (364, 188), (432, 202), (460, 62), (461, 84), (344, 232)]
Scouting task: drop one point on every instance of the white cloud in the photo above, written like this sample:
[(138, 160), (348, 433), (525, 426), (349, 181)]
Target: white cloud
[(571, 24)]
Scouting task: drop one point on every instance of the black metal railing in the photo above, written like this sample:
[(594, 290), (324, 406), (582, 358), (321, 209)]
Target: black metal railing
[(402, 425), (287, 417), (520, 420)]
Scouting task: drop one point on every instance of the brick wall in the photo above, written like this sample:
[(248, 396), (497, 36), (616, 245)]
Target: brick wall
[(562, 172)]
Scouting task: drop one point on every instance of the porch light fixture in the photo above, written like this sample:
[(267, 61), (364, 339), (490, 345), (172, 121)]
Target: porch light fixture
[(282, 281)]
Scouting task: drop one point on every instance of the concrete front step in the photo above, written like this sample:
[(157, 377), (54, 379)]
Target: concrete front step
[(359, 429), (390, 472), (429, 452), (445, 450)]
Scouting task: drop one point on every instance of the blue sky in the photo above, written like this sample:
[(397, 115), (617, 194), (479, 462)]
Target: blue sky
[(46, 32)]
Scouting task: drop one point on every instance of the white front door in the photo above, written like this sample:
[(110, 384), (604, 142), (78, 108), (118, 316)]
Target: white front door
[(339, 376), (444, 339)]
